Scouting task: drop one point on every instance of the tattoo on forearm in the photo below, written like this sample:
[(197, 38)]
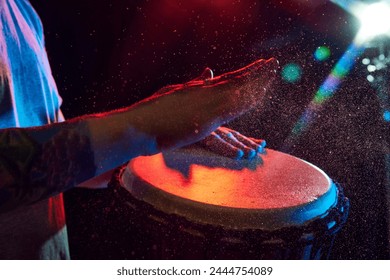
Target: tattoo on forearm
[(30, 171)]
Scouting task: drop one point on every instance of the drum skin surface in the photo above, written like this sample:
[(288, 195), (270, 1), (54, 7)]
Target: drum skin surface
[(274, 191)]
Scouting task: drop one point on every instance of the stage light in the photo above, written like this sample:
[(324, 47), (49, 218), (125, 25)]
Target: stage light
[(374, 19)]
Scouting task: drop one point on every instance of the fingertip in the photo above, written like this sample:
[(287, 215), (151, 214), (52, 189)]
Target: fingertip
[(239, 154), (251, 154), (259, 149)]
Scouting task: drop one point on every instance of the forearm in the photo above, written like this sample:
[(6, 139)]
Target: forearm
[(117, 137), (36, 163)]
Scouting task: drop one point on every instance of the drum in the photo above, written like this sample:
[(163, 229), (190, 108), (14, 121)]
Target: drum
[(192, 204)]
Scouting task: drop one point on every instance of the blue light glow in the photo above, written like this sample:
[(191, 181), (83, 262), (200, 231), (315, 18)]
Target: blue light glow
[(386, 115)]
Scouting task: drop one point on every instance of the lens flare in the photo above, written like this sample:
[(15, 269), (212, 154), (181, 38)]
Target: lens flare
[(373, 18), (322, 53), (291, 72), (325, 92)]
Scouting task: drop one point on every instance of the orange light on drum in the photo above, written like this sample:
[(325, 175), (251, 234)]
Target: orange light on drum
[(281, 181)]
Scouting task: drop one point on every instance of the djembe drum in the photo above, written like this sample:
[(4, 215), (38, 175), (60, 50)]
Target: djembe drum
[(192, 204)]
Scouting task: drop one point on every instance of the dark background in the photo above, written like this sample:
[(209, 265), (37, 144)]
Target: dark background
[(109, 54)]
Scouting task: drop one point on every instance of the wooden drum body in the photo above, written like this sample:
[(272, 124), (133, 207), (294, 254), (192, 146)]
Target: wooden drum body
[(191, 204)]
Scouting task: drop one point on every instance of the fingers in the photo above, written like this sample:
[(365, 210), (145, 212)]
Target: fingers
[(248, 151), (247, 144), (230, 143), (257, 144), (260, 142), (216, 144)]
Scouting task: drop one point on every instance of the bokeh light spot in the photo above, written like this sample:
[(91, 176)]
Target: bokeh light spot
[(291, 72), (386, 116), (366, 61), (322, 53), (370, 78)]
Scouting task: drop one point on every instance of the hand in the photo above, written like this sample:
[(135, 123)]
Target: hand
[(227, 142), (182, 114), (231, 143)]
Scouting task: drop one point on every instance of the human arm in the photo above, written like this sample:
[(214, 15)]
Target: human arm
[(36, 163), (39, 162)]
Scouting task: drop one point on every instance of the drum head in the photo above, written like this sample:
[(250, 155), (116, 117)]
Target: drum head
[(274, 191)]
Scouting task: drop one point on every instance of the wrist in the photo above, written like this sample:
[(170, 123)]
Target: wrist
[(116, 139)]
